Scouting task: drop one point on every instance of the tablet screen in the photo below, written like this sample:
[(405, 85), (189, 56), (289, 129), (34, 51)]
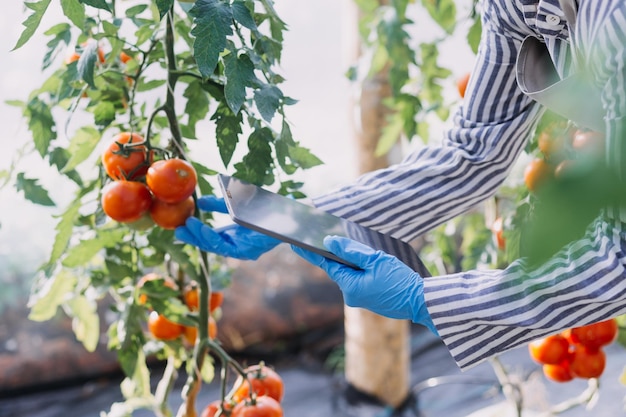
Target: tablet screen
[(303, 225)]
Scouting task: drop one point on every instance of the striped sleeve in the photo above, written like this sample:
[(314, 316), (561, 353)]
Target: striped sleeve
[(437, 183), (479, 314)]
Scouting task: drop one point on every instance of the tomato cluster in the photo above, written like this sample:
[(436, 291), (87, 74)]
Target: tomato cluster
[(258, 395), (565, 151), (576, 352), (142, 187), (161, 328)]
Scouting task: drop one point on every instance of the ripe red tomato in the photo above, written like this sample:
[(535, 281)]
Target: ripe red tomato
[(550, 350), (172, 180), (264, 380), (162, 328), (126, 201), (128, 162), (262, 406), (587, 363), (213, 407), (170, 216), (461, 84), (559, 372), (596, 335)]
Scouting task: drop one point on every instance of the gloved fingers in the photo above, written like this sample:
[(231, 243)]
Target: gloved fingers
[(190, 232), (350, 250), (212, 203), (311, 257)]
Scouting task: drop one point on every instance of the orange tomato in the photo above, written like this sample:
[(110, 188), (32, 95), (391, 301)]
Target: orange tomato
[(162, 328), (170, 216), (192, 300), (461, 84), (551, 350), (596, 335), (264, 381), (536, 173), (172, 180), (559, 372), (587, 363), (262, 406), (126, 162), (498, 233), (191, 332), (126, 201)]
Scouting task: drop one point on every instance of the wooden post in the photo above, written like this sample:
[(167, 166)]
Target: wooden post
[(377, 348)]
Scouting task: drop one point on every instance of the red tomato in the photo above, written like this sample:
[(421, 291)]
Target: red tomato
[(587, 363), (213, 407), (191, 298), (128, 162), (596, 335), (172, 180), (264, 380), (262, 406), (550, 350), (498, 231), (126, 201), (170, 216), (559, 372)]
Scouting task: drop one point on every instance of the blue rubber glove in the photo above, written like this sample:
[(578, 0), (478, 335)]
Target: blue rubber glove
[(233, 241), (384, 285)]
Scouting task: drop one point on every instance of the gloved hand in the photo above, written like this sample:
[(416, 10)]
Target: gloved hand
[(234, 241), (384, 285)]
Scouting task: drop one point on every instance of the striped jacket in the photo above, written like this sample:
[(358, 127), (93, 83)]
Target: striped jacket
[(481, 313)]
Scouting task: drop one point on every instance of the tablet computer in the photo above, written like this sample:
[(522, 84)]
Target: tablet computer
[(302, 225)]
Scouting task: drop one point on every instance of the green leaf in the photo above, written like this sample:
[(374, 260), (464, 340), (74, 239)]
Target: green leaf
[(239, 71), (227, 131), (256, 166), (86, 64), (98, 4), (163, 240), (75, 11), (208, 369), (41, 124), (62, 35), (58, 157), (86, 322), (64, 231), (197, 105), (104, 113), (33, 191), (85, 250), (443, 13), (390, 136), (164, 6), (242, 15), (32, 22), (474, 34), (133, 363), (212, 25), (81, 146), (267, 100), (45, 302)]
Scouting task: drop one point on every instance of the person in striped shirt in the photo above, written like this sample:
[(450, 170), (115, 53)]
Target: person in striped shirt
[(481, 313)]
